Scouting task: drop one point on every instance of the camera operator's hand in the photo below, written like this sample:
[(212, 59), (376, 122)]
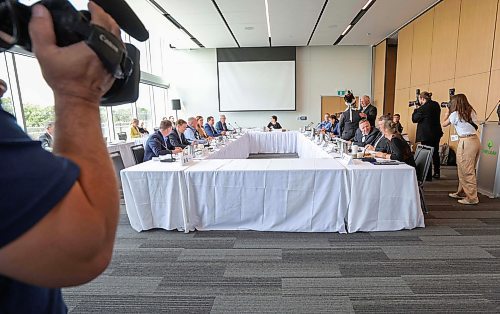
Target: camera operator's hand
[(75, 70)]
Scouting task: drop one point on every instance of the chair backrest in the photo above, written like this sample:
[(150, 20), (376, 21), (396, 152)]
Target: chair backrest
[(423, 159), (116, 157), (122, 136), (138, 152)]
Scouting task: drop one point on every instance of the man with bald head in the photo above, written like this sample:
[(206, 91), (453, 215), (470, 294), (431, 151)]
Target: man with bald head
[(367, 110)]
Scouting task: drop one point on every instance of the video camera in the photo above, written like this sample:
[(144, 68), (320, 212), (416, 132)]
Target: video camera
[(72, 26), (415, 102), (446, 104)]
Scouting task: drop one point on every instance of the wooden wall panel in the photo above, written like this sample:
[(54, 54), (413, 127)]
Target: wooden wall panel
[(444, 40), (475, 87), (422, 45), (440, 93), (405, 47), (496, 50), (390, 79), (379, 76), (475, 36), (493, 95), (401, 98)]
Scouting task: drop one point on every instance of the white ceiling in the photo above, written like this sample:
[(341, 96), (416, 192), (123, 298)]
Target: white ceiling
[(291, 21)]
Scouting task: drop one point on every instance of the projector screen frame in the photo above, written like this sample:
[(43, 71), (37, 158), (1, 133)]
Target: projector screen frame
[(257, 54)]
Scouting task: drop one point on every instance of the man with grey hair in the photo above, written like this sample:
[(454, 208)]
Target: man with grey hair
[(47, 138), (221, 125), (191, 134), (367, 110)]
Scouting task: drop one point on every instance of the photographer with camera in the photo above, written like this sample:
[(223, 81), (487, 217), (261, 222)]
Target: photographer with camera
[(427, 115), (461, 114), (58, 213)]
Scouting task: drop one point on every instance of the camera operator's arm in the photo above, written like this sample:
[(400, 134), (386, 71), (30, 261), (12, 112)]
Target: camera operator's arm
[(73, 242), (446, 120), (418, 114)]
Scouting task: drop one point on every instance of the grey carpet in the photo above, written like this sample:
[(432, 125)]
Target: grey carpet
[(452, 265)]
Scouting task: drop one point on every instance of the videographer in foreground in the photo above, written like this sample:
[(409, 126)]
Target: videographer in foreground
[(427, 114), (462, 116), (57, 218)]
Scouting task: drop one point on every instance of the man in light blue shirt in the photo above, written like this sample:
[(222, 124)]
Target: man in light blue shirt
[(324, 125), (191, 134)]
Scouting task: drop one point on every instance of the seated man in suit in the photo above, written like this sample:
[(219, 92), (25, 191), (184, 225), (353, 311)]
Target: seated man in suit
[(47, 138), (176, 137), (381, 144), (191, 134), (157, 145), (365, 135), (210, 130), (221, 125)]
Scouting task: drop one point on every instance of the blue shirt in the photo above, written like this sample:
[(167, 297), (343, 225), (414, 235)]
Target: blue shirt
[(192, 135), (36, 181)]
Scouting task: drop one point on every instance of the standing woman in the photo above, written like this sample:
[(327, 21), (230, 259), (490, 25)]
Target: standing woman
[(462, 116)]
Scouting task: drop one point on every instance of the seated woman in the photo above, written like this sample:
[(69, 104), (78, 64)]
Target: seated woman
[(398, 147), (143, 130), (274, 125), (199, 127), (134, 129), (333, 125)]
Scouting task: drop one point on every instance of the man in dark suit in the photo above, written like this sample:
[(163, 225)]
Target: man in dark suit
[(47, 139), (157, 145), (176, 137), (221, 125), (210, 130), (367, 110), (365, 135), (427, 115)]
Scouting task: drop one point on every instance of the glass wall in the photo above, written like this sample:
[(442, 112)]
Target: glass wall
[(7, 100), (34, 100), (37, 97)]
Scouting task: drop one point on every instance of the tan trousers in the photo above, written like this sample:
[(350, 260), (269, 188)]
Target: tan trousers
[(467, 156)]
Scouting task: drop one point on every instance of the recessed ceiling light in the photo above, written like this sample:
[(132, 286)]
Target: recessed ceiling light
[(249, 28)]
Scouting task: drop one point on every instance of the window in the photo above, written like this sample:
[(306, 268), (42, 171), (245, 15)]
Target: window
[(144, 106), (37, 97), (160, 101), (104, 122), (7, 99), (122, 116)]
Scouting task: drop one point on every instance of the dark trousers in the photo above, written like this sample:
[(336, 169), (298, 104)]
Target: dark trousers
[(436, 162)]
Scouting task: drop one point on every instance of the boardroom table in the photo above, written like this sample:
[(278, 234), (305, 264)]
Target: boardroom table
[(318, 192)]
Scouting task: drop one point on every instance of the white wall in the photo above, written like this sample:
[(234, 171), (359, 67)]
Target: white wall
[(320, 72)]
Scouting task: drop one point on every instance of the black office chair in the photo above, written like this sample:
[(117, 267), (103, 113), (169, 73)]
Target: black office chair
[(138, 152), (116, 157), (423, 159), (122, 136)]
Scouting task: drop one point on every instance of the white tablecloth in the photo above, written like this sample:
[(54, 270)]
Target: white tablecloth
[(155, 195), (383, 198), (313, 193), (302, 195)]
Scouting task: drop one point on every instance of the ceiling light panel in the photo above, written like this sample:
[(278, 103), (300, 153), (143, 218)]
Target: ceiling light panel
[(242, 14), (201, 19), (380, 24), (338, 14), (292, 21)]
